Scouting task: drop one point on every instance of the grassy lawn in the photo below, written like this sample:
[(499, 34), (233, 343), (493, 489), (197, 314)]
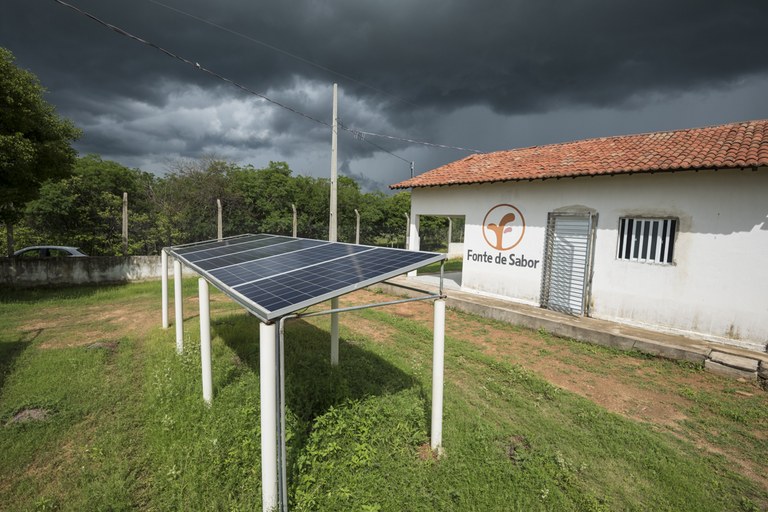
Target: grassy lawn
[(125, 428), (452, 265)]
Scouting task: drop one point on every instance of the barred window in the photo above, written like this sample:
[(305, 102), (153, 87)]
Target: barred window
[(647, 240)]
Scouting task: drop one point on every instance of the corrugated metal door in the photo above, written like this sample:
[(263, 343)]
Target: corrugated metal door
[(568, 261)]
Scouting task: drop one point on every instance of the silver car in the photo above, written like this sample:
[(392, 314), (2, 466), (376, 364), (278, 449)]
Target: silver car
[(49, 251)]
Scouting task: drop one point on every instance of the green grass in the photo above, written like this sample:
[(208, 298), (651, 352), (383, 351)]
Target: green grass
[(452, 265), (128, 429)]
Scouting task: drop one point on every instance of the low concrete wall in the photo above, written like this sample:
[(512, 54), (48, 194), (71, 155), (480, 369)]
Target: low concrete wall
[(456, 250), (22, 273)]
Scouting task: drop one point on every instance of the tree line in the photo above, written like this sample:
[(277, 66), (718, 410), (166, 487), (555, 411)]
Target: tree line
[(85, 209)]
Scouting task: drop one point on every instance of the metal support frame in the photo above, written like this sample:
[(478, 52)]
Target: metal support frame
[(438, 362), (334, 332), (272, 374), (164, 285), (272, 347), (205, 339), (270, 433), (177, 304)]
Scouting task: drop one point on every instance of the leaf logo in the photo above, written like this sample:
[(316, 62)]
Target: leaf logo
[(503, 227)]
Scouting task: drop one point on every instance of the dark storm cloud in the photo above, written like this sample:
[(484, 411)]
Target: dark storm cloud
[(432, 57)]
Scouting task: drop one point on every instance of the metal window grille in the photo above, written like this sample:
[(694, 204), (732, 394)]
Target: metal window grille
[(647, 240)]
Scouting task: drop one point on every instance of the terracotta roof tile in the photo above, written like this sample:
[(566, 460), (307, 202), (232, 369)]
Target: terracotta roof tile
[(725, 146)]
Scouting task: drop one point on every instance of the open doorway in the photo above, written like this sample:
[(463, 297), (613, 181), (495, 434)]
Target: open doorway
[(440, 233)]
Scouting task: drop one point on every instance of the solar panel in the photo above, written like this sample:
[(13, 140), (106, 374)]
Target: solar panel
[(273, 276)]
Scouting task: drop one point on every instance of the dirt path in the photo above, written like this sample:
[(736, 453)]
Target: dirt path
[(645, 389)]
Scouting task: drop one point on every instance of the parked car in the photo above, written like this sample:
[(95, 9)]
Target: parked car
[(49, 251)]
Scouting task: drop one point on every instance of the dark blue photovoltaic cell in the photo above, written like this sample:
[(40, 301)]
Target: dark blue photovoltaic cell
[(213, 252), (279, 245), (276, 275), (226, 242), (304, 284), (284, 262)]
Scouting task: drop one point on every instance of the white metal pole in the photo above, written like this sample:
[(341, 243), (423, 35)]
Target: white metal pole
[(219, 221), (450, 234), (333, 226), (205, 339), (334, 333), (177, 306), (164, 282), (438, 360), (267, 379)]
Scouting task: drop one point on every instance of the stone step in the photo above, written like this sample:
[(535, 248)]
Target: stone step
[(738, 362), (729, 371)]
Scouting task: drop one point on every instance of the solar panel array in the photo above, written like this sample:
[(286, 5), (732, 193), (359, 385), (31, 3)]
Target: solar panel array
[(273, 276)]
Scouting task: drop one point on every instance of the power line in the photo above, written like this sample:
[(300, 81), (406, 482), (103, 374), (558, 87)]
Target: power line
[(280, 50), (360, 135), (189, 62)]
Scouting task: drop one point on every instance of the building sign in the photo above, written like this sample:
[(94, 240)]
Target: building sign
[(503, 230), (503, 227)]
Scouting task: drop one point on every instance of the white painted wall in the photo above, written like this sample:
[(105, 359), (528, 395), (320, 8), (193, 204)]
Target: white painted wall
[(717, 287)]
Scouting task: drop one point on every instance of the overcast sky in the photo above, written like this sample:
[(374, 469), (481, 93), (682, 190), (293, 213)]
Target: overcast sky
[(469, 73)]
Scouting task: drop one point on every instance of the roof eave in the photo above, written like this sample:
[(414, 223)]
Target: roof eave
[(574, 176)]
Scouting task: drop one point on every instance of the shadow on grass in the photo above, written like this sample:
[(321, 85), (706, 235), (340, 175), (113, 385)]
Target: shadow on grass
[(312, 385), (49, 293), (10, 350)]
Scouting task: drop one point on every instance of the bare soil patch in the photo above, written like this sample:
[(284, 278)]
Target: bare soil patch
[(545, 358), (29, 415), (94, 324)]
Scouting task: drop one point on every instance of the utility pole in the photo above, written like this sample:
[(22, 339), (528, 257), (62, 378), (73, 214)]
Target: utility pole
[(333, 225), (125, 223)]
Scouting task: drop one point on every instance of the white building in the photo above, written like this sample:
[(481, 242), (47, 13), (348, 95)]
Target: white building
[(664, 230)]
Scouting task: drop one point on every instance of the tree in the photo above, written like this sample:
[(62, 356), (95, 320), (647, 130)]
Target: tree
[(394, 227), (186, 199), (35, 143), (85, 209), (267, 195)]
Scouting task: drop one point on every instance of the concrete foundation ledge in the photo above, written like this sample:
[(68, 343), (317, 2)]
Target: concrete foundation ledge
[(732, 362)]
